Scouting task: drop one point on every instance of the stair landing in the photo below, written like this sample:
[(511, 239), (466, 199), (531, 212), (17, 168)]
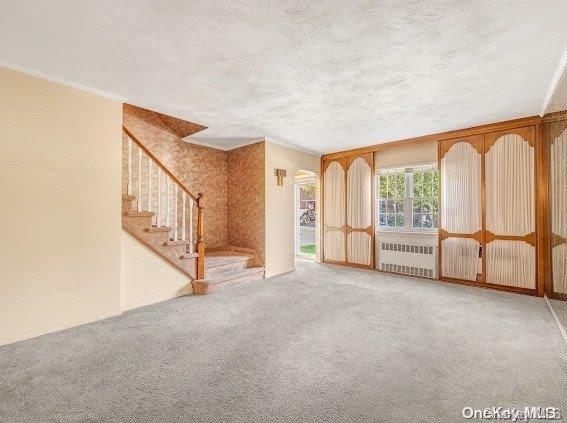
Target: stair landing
[(226, 268)]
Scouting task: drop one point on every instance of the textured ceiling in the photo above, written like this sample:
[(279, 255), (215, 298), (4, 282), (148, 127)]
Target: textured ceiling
[(321, 75)]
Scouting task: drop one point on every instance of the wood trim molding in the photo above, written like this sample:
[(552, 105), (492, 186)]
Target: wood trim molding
[(555, 116), (477, 236), (557, 240), (526, 132), (529, 238), (369, 230), (477, 142), (460, 133)]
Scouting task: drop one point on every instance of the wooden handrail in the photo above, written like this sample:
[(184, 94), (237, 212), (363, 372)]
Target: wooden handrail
[(199, 201), (155, 159)]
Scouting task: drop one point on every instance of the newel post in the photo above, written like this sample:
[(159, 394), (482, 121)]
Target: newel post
[(200, 234)]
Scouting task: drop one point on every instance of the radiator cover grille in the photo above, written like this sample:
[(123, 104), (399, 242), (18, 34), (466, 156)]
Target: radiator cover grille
[(408, 259)]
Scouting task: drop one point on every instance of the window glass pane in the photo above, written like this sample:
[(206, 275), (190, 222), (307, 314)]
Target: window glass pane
[(390, 206), (391, 220), (382, 206), (383, 182), (428, 184), (399, 220), (417, 178), (399, 207), (435, 205), (427, 221), (382, 220), (417, 220), (435, 183), (427, 206), (435, 221), (416, 206)]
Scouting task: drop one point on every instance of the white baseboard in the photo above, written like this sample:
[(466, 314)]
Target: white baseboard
[(150, 301), (272, 273), (556, 318), (16, 337)]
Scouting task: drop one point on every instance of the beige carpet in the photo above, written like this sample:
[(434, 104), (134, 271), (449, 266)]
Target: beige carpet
[(322, 344)]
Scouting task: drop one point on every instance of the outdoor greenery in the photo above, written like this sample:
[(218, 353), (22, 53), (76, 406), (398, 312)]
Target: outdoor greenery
[(307, 249), (408, 198), (308, 189)]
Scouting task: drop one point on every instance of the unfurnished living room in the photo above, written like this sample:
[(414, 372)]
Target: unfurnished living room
[(283, 211)]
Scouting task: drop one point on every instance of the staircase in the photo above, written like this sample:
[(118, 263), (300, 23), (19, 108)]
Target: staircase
[(163, 215)]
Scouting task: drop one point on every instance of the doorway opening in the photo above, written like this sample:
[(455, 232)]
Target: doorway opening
[(306, 214)]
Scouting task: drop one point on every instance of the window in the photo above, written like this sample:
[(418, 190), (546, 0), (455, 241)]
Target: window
[(408, 198)]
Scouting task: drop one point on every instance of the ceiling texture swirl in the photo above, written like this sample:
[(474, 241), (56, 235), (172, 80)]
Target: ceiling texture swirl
[(318, 75)]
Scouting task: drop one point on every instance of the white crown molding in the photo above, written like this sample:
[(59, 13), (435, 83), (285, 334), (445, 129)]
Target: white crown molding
[(41, 75), (218, 147), (293, 147), (554, 82)]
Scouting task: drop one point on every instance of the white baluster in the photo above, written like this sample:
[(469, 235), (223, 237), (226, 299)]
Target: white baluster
[(139, 179), (150, 165), (175, 213), (129, 189), (166, 200), (183, 228), (191, 224), (158, 213)]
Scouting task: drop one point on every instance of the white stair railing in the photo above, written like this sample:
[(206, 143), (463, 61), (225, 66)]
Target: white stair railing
[(147, 180)]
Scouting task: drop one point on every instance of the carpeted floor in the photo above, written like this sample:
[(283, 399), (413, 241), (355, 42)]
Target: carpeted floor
[(322, 344)]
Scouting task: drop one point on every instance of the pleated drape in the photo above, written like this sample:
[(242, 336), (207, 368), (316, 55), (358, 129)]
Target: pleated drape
[(359, 247), (359, 211), (334, 187), (510, 210), (334, 245), (460, 258), (559, 210), (510, 199), (359, 194), (559, 261), (461, 189), (334, 212), (511, 263), (461, 210)]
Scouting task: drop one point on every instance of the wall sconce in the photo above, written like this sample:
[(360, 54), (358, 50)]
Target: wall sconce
[(280, 174)]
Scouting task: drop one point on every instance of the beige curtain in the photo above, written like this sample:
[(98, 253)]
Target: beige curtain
[(510, 210), (359, 247), (335, 245), (559, 210), (559, 260), (334, 212), (359, 194), (460, 189), (460, 258), (511, 263), (359, 211), (510, 203)]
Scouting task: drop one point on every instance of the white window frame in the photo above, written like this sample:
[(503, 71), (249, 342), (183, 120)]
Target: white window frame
[(408, 204)]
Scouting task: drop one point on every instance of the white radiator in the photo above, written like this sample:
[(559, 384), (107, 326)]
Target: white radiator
[(408, 259)]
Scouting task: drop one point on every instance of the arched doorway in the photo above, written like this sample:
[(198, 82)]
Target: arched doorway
[(306, 215)]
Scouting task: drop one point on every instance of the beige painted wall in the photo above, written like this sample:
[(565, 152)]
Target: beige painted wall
[(406, 156), (146, 277), (60, 209), (280, 257)]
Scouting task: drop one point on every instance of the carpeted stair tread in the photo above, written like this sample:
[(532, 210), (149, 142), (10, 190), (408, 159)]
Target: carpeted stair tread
[(221, 258)]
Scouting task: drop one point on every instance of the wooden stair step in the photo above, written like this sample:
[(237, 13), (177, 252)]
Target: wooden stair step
[(188, 256), (128, 197)]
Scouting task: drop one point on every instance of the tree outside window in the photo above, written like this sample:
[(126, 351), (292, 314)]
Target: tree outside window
[(408, 198)]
